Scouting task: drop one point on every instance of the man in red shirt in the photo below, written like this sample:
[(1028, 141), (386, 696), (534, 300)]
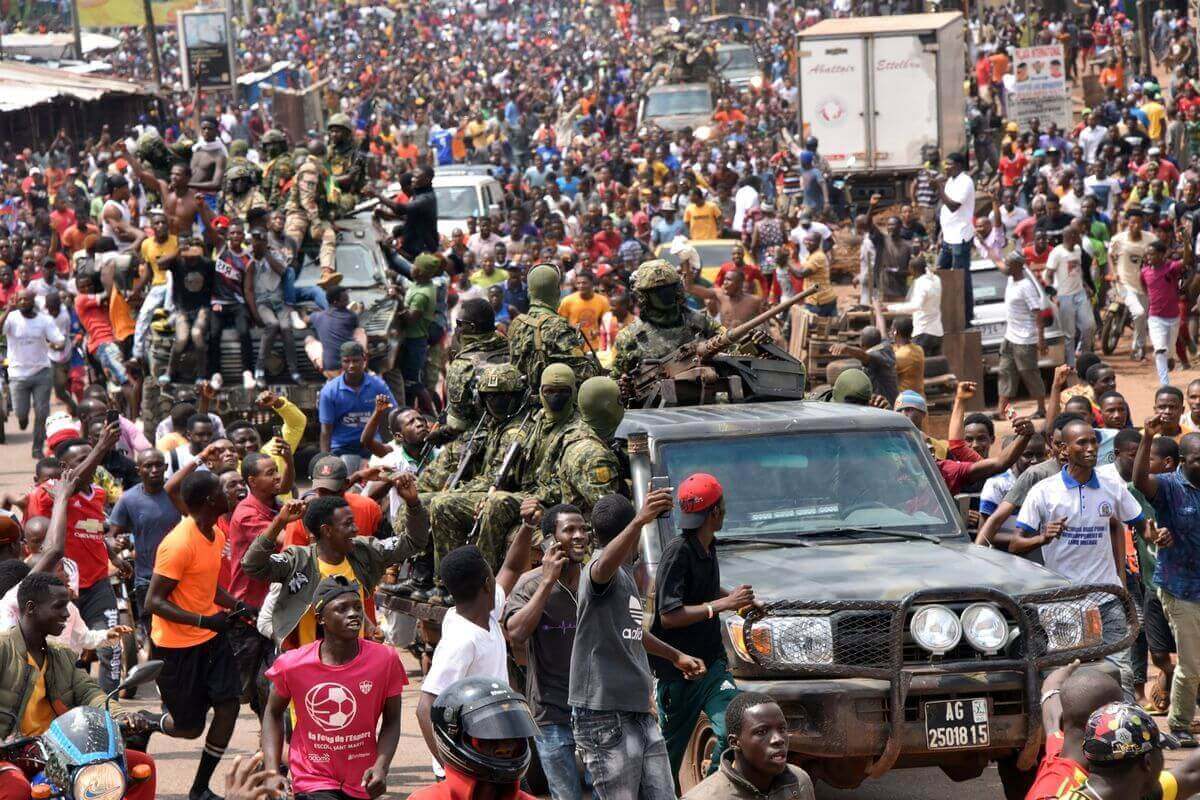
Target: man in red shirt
[(87, 544), (752, 274), (252, 516), (91, 306), (331, 478), (1068, 698)]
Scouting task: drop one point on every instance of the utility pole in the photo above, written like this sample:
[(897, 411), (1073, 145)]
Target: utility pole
[(152, 41), (75, 30), (1143, 38)]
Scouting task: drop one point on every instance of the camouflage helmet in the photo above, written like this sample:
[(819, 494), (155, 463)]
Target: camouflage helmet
[(274, 136), (653, 274), (239, 148), (500, 378), (339, 121), (237, 170)]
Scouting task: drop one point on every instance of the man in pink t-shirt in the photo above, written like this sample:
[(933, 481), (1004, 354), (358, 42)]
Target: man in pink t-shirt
[(341, 687), (1161, 278)]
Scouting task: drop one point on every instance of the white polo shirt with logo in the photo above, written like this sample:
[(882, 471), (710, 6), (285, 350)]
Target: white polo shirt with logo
[(1083, 551)]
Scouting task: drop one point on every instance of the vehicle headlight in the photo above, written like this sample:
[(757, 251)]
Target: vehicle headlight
[(757, 81), (103, 781), (936, 628), (985, 628), (1063, 623), (783, 641)]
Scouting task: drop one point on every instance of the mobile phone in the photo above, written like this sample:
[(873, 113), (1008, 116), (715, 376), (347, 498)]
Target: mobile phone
[(277, 432), (112, 417), (661, 482)]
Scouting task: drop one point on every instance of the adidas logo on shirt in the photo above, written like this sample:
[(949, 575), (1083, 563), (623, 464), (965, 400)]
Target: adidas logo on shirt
[(636, 616)]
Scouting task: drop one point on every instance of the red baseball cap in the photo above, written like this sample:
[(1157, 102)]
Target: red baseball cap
[(698, 495)]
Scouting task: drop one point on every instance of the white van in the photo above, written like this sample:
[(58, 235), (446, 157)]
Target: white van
[(466, 191)]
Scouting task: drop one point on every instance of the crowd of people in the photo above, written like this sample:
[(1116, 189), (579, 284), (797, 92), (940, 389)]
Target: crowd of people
[(485, 435)]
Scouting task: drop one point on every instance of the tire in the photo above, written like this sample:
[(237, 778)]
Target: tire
[(698, 755), (1111, 328)]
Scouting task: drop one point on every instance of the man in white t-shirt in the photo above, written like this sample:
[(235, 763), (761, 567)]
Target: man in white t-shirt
[(1011, 214), (924, 303), (1077, 517), (957, 220), (60, 360), (31, 337), (472, 643), (1024, 338), (806, 226), (1064, 271)]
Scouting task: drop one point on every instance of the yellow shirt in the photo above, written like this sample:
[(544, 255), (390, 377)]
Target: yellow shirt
[(910, 368), (38, 713), (1157, 115), (152, 251), (703, 221), (585, 315), (819, 278), (308, 623)]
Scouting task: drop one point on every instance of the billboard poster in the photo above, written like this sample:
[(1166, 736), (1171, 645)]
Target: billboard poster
[(1040, 87), (94, 14), (206, 52)]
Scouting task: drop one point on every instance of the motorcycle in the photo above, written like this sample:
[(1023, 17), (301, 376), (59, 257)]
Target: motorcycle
[(82, 755), (1114, 319)]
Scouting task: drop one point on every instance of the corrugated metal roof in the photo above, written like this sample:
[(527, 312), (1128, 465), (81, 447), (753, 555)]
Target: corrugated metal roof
[(24, 85), (900, 23)]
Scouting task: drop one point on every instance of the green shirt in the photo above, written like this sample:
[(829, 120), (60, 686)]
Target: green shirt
[(422, 297), (1147, 557)]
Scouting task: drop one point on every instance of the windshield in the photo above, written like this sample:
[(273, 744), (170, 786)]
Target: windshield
[(711, 255), (689, 101), (987, 286), (355, 264), (739, 58), (817, 482), (457, 202)]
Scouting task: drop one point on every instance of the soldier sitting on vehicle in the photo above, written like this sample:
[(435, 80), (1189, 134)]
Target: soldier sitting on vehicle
[(310, 211), (541, 337)]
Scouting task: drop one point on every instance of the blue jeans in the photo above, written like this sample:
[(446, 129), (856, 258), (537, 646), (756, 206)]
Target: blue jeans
[(1114, 626), (110, 358), (822, 310), (158, 297), (625, 753), (556, 751), (293, 294), (1075, 316), (958, 256)]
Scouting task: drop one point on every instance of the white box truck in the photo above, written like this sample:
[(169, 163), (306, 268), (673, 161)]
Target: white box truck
[(876, 91)]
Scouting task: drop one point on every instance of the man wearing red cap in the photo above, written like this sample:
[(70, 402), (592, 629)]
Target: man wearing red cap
[(689, 599)]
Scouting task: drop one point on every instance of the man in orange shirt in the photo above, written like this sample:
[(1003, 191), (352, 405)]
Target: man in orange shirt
[(407, 150), (583, 308), (189, 627), (332, 479)]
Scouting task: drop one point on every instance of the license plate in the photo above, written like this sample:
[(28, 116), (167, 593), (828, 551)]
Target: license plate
[(956, 724), (992, 329)]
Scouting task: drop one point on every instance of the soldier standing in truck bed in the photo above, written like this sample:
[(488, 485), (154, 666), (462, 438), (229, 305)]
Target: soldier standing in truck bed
[(278, 170), (666, 324), (347, 165), (541, 337)]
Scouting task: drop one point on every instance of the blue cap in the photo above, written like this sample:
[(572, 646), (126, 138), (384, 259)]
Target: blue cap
[(910, 399)]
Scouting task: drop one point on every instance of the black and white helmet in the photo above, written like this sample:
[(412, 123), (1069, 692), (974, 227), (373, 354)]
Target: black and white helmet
[(481, 708)]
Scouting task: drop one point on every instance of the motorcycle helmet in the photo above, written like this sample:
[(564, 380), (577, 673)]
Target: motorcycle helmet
[(474, 709), (810, 143), (85, 755)]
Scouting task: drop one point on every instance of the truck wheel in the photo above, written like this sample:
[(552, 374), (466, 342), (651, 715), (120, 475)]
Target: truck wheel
[(698, 756)]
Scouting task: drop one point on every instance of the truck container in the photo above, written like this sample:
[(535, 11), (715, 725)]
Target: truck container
[(877, 92)]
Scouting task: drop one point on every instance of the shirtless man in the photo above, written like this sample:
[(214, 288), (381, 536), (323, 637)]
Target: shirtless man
[(208, 162), (181, 203), (734, 304)]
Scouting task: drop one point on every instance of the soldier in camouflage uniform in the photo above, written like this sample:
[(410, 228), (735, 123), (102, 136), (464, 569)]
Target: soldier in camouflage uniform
[(346, 164), (540, 336), (665, 323), (239, 153), (588, 467), (240, 194), (452, 512), (476, 344), (310, 214), (278, 170)]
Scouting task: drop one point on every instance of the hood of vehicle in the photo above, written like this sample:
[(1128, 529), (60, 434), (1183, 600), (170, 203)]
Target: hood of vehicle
[(877, 570), (677, 122), (739, 77)]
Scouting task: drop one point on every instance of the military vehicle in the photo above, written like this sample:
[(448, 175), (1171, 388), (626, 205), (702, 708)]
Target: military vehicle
[(889, 639), (363, 264)]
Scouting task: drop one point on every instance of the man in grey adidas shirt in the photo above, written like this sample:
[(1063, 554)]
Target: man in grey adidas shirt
[(611, 684)]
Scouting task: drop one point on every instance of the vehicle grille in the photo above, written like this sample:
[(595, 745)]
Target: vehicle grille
[(860, 638)]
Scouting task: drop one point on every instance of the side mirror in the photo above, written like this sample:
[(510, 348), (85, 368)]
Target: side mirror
[(142, 674)]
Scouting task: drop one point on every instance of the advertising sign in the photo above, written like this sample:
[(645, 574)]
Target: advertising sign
[(1040, 88), (121, 13), (206, 56)]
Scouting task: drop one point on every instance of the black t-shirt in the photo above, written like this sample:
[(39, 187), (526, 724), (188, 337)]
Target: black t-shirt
[(549, 673), (194, 278), (687, 576)]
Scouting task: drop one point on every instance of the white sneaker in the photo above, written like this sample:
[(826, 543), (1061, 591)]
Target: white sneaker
[(298, 321), (247, 379), (216, 381)]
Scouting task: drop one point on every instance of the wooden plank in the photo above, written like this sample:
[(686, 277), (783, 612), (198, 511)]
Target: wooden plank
[(964, 351)]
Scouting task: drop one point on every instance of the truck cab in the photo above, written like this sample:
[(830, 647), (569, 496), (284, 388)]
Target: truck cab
[(677, 106), (464, 191), (889, 639)]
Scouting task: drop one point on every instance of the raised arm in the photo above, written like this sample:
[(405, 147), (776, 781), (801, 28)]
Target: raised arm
[(516, 560), (1145, 482), (962, 393), (367, 440), (616, 552), (987, 467)]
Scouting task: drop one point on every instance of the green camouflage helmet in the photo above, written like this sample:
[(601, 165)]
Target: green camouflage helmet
[(239, 148), (339, 121), (274, 136), (654, 273), (237, 170), (500, 378)]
